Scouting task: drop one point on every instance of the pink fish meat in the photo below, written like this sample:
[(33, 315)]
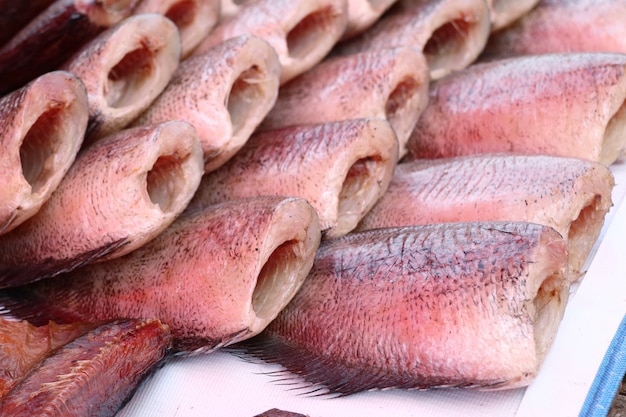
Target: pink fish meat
[(506, 12)]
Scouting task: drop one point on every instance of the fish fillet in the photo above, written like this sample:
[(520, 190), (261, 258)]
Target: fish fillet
[(341, 168), (452, 305), (571, 195), (124, 69), (390, 84), (301, 31), (43, 126), (556, 104), (224, 93), (362, 14), (119, 193), (215, 276)]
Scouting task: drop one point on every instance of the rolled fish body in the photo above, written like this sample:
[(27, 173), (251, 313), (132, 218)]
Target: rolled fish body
[(54, 35), (193, 18), (93, 375), (555, 104), (505, 12), (16, 14), (390, 84), (448, 305), (215, 276), (119, 193), (563, 26), (230, 8), (301, 31), (570, 195), (124, 69), (341, 168), (450, 33), (362, 14), (224, 93), (43, 126)]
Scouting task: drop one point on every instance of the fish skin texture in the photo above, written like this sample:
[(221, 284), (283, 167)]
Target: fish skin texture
[(363, 14), (44, 125), (389, 84), (215, 276), (569, 194), (451, 305), (224, 93), (341, 168), (302, 32), (93, 375), (119, 193), (554, 104)]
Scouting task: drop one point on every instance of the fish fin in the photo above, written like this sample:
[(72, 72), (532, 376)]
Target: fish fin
[(322, 375), (17, 275)]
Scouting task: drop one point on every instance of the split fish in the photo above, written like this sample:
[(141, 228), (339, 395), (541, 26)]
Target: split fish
[(450, 33), (555, 104), (341, 168), (362, 14), (124, 69), (54, 35), (194, 18), (448, 305), (301, 31), (217, 275), (505, 12), (93, 375), (119, 193), (555, 26), (571, 195), (224, 93), (43, 126), (390, 84)]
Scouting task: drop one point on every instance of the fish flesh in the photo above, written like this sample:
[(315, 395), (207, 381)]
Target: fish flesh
[(341, 168), (217, 275), (446, 305), (43, 126), (450, 33), (230, 8), (16, 14), (54, 35), (93, 375), (125, 68), (389, 84), (301, 31), (563, 26), (194, 18), (362, 14), (224, 93), (505, 12), (119, 193), (571, 195), (554, 104)]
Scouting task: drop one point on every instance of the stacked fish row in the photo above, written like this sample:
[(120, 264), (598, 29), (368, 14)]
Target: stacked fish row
[(263, 173)]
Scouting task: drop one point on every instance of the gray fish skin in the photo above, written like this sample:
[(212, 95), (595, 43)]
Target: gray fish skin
[(453, 305)]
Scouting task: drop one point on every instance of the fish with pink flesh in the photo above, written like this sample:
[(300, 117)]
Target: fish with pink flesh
[(54, 35), (555, 104), (450, 33), (341, 168), (301, 31), (362, 14), (571, 195), (555, 26), (505, 12), (446, 305), (389, 84), (224, 93), (125, 69), (120, 192), (194, 18), (43, 126), (93, 375), (217, 275)]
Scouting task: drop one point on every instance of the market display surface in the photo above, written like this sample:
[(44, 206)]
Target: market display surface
[(312, 207)]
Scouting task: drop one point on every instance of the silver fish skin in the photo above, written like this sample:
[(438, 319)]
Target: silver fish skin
[(44, 125), (340, 168), (449, 305), (118, 194)]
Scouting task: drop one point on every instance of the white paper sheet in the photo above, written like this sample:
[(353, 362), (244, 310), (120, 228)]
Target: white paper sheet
[(220, 384)]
